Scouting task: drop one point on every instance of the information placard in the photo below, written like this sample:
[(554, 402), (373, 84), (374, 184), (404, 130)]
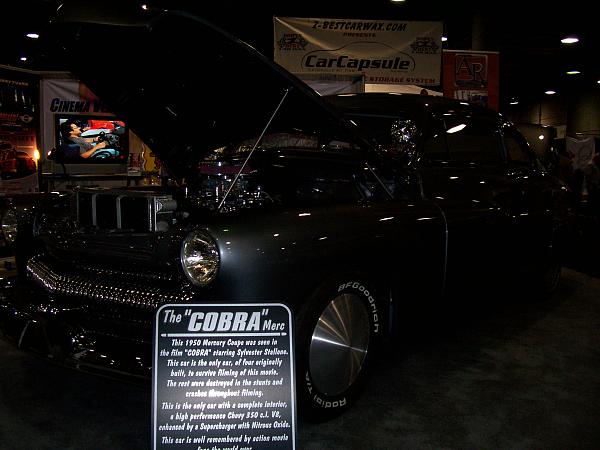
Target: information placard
[(223, 377)]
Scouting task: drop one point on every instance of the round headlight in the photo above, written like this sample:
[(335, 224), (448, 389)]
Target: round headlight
[(9, 225), (199, 258)]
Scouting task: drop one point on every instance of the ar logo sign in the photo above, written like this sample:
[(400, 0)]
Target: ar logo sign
[(470, 70)]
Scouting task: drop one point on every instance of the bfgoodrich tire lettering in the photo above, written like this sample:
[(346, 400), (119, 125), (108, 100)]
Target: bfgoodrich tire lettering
[(337, 332)]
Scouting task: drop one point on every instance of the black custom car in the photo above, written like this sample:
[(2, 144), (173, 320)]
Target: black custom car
[(348, 209)]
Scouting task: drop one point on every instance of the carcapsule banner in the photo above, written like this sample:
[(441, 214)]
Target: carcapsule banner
[(386, 51)]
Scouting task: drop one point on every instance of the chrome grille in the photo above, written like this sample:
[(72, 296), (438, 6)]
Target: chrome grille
[(102, 287)]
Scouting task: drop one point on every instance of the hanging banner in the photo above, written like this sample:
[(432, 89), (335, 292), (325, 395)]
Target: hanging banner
[(327, 84), (472, 76), (385, 51), (17, 101), (65, 98), (18, 128)]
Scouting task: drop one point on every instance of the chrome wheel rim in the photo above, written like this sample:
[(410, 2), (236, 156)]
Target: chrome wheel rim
[(339, 344)]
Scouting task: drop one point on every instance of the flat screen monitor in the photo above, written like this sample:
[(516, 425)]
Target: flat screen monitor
[(90, 140)]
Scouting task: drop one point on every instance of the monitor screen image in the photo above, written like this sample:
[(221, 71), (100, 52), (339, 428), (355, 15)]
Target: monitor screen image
[(90, 140)]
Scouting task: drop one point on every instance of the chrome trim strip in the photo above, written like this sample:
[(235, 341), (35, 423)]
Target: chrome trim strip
[(94, 210), (445, 274), (153, 201), (118, 201)]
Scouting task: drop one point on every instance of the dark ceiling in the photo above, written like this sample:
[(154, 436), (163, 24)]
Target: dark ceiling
[(527, 34)]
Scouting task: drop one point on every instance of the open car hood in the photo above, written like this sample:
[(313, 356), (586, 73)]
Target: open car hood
[(185, 86)]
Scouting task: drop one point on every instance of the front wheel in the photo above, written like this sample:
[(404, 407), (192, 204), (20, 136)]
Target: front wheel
[(549, 275), (337, 333), (543, 279)]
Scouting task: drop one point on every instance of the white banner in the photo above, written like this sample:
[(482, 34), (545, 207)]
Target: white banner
[(65, 97), (329, 84), (386, 51)]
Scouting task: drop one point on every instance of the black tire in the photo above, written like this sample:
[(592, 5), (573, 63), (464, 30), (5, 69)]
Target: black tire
[(337, 333), (548, 278), (543, 280)]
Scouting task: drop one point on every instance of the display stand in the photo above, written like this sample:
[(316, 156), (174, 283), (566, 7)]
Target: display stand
[(223, 377)]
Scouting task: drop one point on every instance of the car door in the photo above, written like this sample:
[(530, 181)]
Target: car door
[(533, 213), (418, 246), (463, 168)]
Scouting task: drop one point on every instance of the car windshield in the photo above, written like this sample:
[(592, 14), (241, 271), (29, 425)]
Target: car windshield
[(395, 124)]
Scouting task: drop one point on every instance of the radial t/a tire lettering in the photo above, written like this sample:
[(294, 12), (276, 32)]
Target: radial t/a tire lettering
[(337, 332)]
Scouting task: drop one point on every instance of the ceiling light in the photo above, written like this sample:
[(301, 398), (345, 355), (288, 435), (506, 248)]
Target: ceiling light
[(541, 137), (32, 35), (573, 72), (550, 92), (514, 102), (570, 40), (444, 38)]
